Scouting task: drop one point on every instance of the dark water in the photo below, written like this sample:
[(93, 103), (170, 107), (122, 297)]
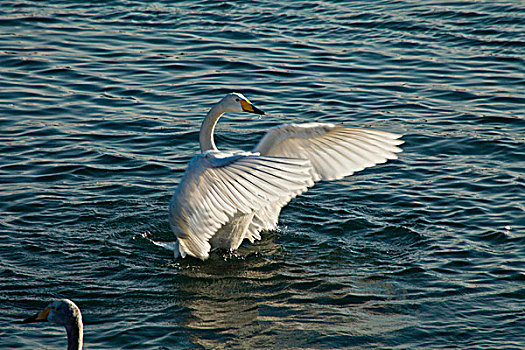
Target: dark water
[(100, 105)]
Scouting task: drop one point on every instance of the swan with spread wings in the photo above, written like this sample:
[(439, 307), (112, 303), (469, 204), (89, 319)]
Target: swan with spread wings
[(225, 197)]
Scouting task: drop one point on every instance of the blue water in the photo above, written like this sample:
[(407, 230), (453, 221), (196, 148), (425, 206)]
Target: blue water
[(100, 106)]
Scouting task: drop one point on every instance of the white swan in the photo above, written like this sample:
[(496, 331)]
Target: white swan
[(64, 313), (227, 196)]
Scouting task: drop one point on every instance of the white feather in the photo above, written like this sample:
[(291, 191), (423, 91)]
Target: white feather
[(334, 151), (218, 186)]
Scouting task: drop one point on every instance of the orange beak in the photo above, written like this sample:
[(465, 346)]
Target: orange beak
[(247, 106), (39, 317)]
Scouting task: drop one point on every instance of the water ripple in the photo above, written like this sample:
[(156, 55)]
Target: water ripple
[(99, 114)]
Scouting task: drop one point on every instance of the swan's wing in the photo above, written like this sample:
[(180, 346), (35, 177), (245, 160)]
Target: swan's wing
[(334, 151), (216, 185), (266, 218)]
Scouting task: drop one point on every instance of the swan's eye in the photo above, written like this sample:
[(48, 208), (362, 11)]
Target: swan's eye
[(237, 100)]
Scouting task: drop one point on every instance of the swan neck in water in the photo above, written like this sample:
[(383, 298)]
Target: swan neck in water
[(207, 128), (75, 335)]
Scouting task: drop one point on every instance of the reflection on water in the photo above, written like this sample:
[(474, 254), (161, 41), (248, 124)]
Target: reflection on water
[(256, 302)]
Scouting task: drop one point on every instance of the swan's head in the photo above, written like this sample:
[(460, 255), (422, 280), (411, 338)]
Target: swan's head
[(60, 312), (235, 102)]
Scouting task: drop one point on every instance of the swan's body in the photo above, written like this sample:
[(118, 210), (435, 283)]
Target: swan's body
[(64, 313), (228, 196)]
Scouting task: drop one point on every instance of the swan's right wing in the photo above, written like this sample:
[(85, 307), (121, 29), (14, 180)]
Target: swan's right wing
[(334, 151), (217, 185)]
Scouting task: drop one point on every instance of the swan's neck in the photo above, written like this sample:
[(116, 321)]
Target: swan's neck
[(207, 128), (75, 335)]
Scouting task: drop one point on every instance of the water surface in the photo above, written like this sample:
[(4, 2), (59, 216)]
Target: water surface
[(100, 106)]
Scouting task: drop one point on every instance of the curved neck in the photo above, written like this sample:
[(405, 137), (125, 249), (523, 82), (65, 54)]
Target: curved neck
[(75, 336), (207, 128)]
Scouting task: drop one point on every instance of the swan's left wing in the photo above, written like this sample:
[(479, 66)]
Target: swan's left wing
[(334, 151), (217, 185)]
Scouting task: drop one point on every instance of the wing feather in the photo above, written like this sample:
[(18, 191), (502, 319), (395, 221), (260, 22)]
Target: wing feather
[(334, 151), (217, 185)]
